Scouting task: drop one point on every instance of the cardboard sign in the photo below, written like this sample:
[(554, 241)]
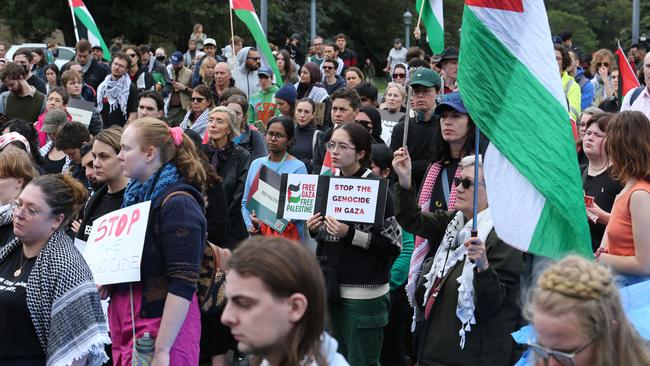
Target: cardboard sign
[(357, 200), (300, 198), (264, 197), (114, 248), (360, 200), (81, 110)]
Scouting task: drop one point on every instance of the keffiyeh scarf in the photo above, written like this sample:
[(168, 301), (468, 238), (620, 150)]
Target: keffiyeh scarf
[(116, 92), (64, 304), (451, 251)]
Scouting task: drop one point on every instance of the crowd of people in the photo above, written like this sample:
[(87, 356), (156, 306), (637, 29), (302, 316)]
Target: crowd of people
[(191, 132)]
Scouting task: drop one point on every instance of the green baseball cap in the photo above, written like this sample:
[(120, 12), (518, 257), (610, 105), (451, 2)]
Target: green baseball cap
[(425, 77)]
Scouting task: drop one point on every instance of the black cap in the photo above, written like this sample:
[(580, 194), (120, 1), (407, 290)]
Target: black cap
[(450, 53), (295, 36)]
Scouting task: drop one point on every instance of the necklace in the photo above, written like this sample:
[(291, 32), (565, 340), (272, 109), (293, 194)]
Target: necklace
[(20, 269)]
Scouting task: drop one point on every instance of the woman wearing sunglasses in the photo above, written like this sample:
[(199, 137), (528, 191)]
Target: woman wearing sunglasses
[(579, 320), (356, 258), (400, 74), (279, 137), (466, 298), (197, 118), (601, 67)]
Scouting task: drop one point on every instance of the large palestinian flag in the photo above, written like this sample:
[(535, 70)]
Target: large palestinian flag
[(86, 27), (510, 83), (433, 22), (246, 13)]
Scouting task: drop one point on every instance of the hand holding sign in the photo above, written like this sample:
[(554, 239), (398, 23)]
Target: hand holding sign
[(315, 222), (336, 228)]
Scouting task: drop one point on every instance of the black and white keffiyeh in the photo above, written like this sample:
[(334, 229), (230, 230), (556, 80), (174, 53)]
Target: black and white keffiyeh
[(64, 304), (116, 92)]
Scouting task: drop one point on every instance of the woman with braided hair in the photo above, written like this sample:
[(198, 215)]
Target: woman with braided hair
[(577, 314)]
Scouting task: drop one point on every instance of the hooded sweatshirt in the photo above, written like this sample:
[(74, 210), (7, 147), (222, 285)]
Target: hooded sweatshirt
[(261, 105), (245, 79)]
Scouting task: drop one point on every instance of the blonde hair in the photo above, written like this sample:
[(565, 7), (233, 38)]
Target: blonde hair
[(16, 164), (154, 132), (400, 89), (208, 61), (587, 290)]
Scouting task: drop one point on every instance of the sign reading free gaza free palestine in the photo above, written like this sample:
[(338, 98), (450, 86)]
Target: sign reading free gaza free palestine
[(361, 200)]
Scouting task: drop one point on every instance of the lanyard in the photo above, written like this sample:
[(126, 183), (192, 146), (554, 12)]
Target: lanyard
[(279, 163)]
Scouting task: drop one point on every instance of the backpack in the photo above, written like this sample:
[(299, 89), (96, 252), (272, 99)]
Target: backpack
[(635, 94), (212, 277)]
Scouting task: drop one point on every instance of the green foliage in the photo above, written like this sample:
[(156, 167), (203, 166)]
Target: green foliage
[(582, 35)]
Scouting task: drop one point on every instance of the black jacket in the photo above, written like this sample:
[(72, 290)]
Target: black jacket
[(217, 214), (96, 73), (421, 141), (233, 170)]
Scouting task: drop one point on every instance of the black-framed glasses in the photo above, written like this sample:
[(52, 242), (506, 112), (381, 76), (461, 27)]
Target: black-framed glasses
[(328, 67), (563, 358), (254, 58), (197, 99), (465, 182), (275, 135)]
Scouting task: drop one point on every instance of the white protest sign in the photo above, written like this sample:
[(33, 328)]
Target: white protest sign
[(353, 200), (80, 111), (300, 200), (114, 248)]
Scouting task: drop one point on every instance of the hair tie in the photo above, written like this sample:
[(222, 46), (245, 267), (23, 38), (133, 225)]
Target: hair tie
[(177, 135)]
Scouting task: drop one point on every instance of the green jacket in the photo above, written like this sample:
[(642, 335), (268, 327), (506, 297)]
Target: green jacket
[(261, 106), (496, 290)]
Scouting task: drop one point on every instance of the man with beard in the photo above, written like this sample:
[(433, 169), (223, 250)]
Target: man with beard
[(21, 100), (117, 96), (23, 57), (246, 76)]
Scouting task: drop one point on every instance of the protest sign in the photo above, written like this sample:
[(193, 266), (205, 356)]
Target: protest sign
[(114, 248), (300, 196), (80, 110), (361, 200), (263, 198)]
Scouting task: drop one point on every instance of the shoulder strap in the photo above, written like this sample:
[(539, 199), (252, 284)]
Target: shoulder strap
[(184, 193), (635, 94), (585, 171)]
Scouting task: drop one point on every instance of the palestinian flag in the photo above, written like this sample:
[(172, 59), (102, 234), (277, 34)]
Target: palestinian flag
[(433, 22), (626, 76), (327, 168), (86, 27), (511, 86), (264, 196), (246, 13)]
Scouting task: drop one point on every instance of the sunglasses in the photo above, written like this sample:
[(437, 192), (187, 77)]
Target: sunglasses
[(563, 358), (198, 100), (465, 182), (253, 58), (399, 76), (598, 65), (328, 67)]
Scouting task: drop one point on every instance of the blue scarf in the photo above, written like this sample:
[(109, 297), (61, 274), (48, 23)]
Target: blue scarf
[(137, 191)]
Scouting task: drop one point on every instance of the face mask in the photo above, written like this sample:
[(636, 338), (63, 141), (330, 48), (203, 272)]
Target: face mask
[(160, 58)]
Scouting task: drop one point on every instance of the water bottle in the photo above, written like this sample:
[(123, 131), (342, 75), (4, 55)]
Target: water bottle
[(144, 350)]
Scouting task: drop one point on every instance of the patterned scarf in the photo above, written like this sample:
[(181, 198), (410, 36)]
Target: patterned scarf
[(137, 191), (450, 252), (116, 92), (200, 125), (63, 303), (421, 246), (6, 214), (220, 154)]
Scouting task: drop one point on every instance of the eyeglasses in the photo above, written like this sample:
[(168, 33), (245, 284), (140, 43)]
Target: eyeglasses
[(563, 358), (328, 67), (28, 212), (197, 99), (465, 182), (275, 135), (132, 55), (253, 58), (422, 92), (399, 76), (598, 65), (333, 146)]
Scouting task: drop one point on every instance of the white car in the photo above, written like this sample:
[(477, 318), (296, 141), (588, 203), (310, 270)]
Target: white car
[(65, 53)]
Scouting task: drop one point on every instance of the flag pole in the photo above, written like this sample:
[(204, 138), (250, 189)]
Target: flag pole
[(74, 20), (407, 115), (232, 34), (420, 14), (477, 156), (620, 83)]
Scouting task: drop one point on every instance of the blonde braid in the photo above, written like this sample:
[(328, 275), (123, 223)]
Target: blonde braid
[(578, 278)]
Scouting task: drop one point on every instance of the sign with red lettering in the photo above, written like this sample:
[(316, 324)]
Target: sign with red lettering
[(114, 248), (361, 200)]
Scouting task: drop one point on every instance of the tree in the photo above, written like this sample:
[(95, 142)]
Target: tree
[(583, 36)]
